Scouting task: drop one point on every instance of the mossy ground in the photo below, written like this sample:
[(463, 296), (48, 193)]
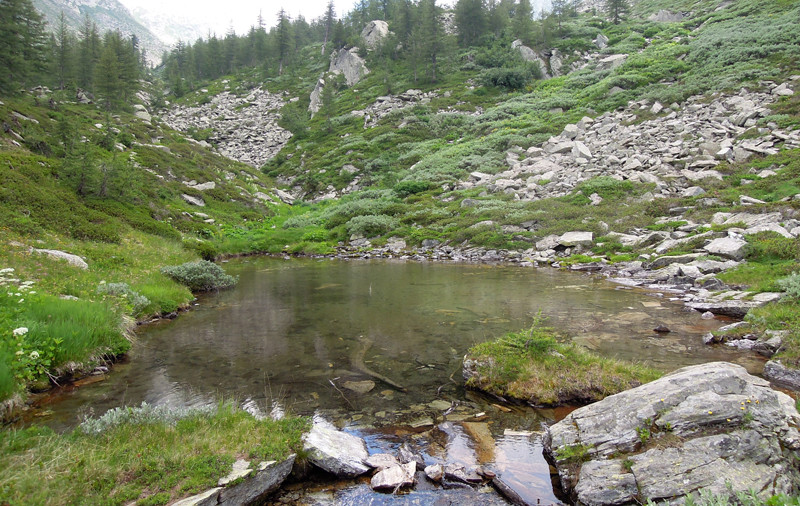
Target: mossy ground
[(533, 367), (152, 463)]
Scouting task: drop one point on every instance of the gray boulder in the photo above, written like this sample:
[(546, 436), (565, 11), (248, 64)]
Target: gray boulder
[(71, 259), (337, 452), (350, 64), (776, 371), (728, 247), (665, 16), (374, 33), (696, 429)]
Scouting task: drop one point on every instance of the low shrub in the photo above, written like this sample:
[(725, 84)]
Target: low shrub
[(200, 276), (137, 301), (371, 225), (791, 285)]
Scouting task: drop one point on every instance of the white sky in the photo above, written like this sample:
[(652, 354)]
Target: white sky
[(242, 14)]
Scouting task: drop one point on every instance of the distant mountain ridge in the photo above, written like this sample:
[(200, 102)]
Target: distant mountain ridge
[(109, 15), (170, 28)]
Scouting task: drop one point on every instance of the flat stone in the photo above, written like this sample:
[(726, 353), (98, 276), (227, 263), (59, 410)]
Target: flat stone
[(337, 452), (576, 238), (207, 498), (732, 308), (728, 247)]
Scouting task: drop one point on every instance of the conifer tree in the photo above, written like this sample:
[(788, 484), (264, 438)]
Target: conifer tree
[(283, 39), (616, 9), (88, 53), (432, 32), (328, 20), (63, 52), (22, 43), (107, 76), (471, 21), (523, 21)]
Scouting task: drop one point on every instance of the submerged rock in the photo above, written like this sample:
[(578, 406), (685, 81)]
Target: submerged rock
[(696, 429)]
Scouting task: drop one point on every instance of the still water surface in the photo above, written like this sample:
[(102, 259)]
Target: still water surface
[(292, 333)]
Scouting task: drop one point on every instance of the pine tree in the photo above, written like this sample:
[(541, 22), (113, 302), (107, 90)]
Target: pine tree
[(523, 21), (616, 9), (559, 10), (470, 20)]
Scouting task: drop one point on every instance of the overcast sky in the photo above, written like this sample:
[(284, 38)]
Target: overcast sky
[(242, 14)]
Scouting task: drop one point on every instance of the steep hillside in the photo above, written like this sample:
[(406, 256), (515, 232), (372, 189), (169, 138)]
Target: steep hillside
[(109, 15)]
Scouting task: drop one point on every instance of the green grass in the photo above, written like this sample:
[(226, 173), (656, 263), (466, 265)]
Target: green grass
[(532, 366), (151, 462)]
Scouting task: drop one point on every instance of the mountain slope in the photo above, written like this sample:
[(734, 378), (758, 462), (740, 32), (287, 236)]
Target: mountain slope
[(109, 15)]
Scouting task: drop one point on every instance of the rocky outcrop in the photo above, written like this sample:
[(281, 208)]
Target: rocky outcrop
[(697, 429), (374, 33), (348, 63), (530, 55), (665, 16), (245, 128), (674, 150), (385, 105)]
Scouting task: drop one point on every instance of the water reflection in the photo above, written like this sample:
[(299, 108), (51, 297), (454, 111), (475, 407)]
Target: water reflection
[(293, 334)]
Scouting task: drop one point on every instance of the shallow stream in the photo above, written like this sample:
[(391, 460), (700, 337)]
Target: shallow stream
[(295, 336)]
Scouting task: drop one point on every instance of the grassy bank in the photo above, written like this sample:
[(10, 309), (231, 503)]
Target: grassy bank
[(148, 455), (532, 366)]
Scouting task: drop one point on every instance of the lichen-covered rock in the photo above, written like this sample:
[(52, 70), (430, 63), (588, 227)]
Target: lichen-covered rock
[(695, 429)]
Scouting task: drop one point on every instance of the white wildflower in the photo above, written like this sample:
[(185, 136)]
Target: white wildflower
[(34, 355), (20, 331), (20, 301), (7, 269), (31, 292), (20, 352)]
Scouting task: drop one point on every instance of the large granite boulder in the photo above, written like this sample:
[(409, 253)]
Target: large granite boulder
[(699, 428), (374, 33)]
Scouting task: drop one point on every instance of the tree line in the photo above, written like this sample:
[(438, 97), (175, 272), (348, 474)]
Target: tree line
[(107, 64), (421, 37)]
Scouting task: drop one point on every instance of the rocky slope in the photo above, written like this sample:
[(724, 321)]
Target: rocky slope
[(244, 128)]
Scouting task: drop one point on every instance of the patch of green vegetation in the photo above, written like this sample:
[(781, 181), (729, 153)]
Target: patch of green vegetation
[(533, 366), (573, 454), (138, 454), (200, 276)]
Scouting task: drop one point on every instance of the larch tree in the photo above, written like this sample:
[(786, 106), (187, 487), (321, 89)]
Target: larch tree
[(471, 21), (283, 40)]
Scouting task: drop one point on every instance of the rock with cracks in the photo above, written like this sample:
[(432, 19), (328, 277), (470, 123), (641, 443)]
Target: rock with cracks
[(697, 429)]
